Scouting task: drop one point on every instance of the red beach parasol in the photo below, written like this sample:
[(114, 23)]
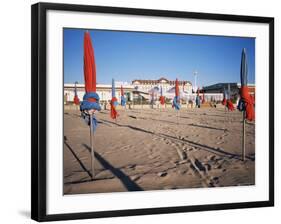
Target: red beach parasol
[(229, 103), (162, 98), (113, 102), (177, 90), (76, 99), (91, 99), (89, 65), (203, 97)]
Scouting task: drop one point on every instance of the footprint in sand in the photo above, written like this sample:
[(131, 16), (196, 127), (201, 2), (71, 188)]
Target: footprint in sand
[(152, 156), (219, 137), (162, 174), (126, 147), (131, 166), (156, 139)]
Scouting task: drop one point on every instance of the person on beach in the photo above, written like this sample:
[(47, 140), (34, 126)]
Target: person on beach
[(197, 101)]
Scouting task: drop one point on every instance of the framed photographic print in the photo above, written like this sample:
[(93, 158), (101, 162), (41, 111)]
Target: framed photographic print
[(139, 111)]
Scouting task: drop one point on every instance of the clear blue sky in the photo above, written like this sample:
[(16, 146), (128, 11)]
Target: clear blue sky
[(126, 56)]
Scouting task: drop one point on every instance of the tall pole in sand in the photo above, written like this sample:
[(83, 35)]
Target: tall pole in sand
[(244, 137), (244, 82), (90, 102), (92, 145)]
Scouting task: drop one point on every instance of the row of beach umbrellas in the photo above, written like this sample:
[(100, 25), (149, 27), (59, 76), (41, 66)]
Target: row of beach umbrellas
[(90, 103)]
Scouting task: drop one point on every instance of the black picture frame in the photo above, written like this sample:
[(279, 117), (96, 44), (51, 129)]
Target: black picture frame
[(38, 109)]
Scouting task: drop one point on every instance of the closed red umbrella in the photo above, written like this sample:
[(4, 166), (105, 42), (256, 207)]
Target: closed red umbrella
[(113, 102), (229, 103), (89, 65), (162, 98), (203, 97), (177, 89), (91, 99), (76, 99), (176, 101)]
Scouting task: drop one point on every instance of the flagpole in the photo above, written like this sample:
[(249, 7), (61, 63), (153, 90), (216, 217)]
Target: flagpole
[(244, 137), (92, 145)]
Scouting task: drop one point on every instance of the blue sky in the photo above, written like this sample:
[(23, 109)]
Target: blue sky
[(126, 56)]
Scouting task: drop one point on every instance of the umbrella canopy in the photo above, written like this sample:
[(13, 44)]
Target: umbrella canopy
[(91, 98), (122, 91), (224, 97), (228, 91), (113, 102), (123, 99), (176, 101), (229, 103), (244, 69), (246, 102), (162, 98), (76, 99), (89, 65), (203, 96), (197, 99), (177, 89)]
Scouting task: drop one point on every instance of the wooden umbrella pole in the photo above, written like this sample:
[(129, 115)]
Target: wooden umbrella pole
[(244, 137), (92, 145)]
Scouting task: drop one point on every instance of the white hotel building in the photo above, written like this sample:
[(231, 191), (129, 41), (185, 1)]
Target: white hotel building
[(133, 90), (167, 85)]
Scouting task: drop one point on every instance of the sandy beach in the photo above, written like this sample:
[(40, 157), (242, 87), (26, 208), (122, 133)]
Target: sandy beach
[(148, 149)]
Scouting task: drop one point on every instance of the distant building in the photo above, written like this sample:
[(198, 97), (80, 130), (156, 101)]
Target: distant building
[(145, 89), (146, 85), (234, 88), (103, 90)]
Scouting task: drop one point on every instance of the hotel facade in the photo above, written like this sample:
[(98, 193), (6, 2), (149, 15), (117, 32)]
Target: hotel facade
[(137, 88), (167, 85)]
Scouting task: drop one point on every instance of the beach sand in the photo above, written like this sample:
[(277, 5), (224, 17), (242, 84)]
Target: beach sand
[(152, 150)]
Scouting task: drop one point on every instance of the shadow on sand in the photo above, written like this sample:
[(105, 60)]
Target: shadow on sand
[(209, 127), (209, 148), (127, 126), (77, 158), (217, 151), (126, 181)]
